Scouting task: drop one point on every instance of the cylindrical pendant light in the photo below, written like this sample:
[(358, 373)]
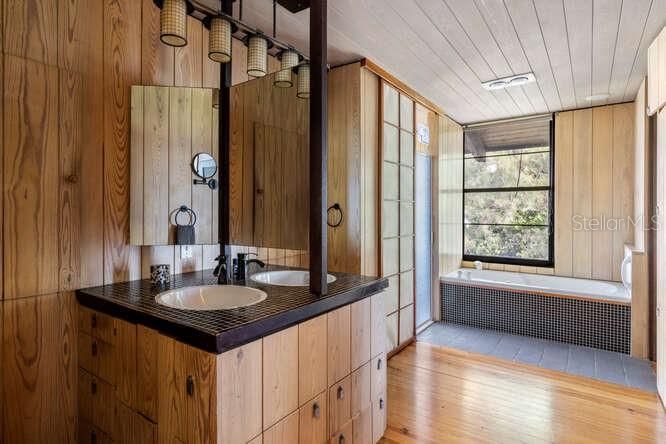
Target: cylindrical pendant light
[(303, 90), (219, 40), (257, 56), (173, 22), (288, 60)]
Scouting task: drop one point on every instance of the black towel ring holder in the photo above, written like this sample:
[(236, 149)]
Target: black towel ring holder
[(189, 211), (335, 206)]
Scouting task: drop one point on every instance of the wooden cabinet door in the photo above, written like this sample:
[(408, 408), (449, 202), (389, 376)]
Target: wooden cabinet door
[(200, 385), (312, 421), (344, 435), (133, 428), (240, 392), (312, 358), (89, 434), (339, 344), (378, 328), (378, 383), (361, 389), (280, 375), (97, 402), (378, 418), (362, 427), (360, 333), (284, 432), (339, 405)]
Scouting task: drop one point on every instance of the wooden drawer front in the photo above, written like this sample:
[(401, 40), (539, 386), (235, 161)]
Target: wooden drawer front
[(339, 402), (89, 434), (344, 436), (312, 361), (360, 333), (378, 321), (339, 344), (98, 358), (362, 427), (260, 439), (378, 376), (284, 432), (312, 421), (97, 402), (98, 325), (280, 375), (133, 428), (361, 389), (378, 418)]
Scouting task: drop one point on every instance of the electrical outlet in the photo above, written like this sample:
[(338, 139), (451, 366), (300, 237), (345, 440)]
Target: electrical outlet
[(186, 252)]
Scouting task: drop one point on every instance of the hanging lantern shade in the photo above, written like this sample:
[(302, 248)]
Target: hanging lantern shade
[(288, 60), (257, 56), (303, 89), (219, 40), (173, 22)]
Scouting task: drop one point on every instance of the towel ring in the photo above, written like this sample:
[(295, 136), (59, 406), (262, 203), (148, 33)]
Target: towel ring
[(189, 211), (335, 206)]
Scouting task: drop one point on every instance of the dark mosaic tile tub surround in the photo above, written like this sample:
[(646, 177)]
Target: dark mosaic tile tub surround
[(597, 324)]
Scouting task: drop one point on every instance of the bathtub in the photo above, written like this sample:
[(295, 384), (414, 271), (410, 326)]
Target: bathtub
[(536, 283), (576, 311)]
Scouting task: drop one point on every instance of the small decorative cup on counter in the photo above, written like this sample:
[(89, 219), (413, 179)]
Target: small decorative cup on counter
[(160, 275)]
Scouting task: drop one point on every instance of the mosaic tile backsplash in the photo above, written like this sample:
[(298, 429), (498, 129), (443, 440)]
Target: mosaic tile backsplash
[(594, 324)]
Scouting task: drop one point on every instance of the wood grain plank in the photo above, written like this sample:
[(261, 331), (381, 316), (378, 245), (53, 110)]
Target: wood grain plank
[(28, 30), (623, 181), (39, 369), (312, 358), (188, 59), (370, 205), (157, 163), (136, 165), (564, 194), (582, 190), (203, 198), (147, 372), (31, 178), (280, 375), (122, 68), (237, 177), (180, 155), (157, 58), (602, 191)]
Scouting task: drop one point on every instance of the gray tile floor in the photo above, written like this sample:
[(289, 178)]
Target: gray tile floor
[(607, 366)]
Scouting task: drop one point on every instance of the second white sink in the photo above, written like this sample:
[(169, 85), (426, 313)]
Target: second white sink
[(211, 297), (287, 278)]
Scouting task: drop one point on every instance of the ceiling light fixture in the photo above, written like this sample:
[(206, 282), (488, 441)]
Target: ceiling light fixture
[(506, 82), (303, 87), (288, 60), (173, 22), (219, 39)]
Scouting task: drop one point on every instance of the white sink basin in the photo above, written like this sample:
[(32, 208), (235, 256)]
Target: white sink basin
[(211, 297), (287, 278)]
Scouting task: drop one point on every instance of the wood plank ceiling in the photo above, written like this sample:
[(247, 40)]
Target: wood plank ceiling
[(444, 49)]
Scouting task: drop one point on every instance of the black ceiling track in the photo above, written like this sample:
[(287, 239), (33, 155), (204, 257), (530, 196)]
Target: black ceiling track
[(294, 6)]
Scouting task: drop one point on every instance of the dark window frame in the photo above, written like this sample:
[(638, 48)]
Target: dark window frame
[(550, 262)]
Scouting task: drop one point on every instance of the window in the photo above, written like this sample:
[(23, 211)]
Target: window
[(508, 192)]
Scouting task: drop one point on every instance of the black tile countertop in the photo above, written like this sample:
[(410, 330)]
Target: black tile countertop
[(221, 330)]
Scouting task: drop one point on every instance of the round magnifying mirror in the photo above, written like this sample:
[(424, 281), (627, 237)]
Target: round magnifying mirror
[(204, 165)]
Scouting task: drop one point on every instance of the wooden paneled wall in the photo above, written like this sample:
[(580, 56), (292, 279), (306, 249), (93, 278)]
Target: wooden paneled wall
[(450, 195), (594, 177)]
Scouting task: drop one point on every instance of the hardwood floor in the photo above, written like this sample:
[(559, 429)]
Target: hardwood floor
[(441, 395)]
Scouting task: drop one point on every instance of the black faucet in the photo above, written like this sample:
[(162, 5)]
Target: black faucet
[(241, 263), (221, 270)]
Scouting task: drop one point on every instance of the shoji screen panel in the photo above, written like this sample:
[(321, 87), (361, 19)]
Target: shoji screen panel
[(398, 213)]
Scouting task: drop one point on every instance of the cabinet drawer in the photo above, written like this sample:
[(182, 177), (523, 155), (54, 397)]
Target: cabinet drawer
[(378, 417), (339, 344), (339, 403), (284, 432), (312, 361), (361, 389), (344, 436), (280, 375), (97, 357), (132, 428), (362, 427), (378, 321), (360, 333), (98, 325), (97, 402), (89, 434), (378, 376), (312, 421)]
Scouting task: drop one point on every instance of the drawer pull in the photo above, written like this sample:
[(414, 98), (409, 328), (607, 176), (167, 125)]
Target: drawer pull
[(94, 348), (93, 320), (316, 411), (341, 440), (93, 437), (341, 393), (93, 387), (190, 385), (381, 404), (379, 364)]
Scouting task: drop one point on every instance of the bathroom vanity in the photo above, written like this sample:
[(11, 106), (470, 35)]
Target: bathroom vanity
[(294, 367)]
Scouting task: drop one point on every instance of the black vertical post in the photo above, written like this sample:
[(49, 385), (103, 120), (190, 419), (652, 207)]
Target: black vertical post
[(224, 142), (318, 146)]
